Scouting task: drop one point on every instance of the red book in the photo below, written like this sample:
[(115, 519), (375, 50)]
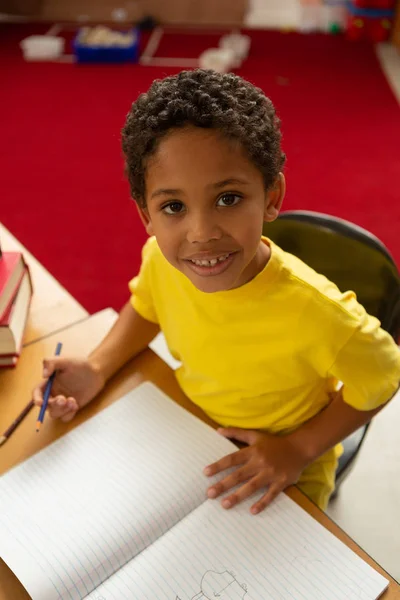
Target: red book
[(12, 325), (12, 267), (8, 361)]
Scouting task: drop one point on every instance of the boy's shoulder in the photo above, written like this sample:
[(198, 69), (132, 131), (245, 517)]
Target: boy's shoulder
[(150, 247), (315, 288), (151, 252)]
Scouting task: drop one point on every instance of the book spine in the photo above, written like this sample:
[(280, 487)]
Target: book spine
[(15, 292)]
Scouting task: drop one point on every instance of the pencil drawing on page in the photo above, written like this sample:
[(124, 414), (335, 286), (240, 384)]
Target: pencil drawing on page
[(222, 585)]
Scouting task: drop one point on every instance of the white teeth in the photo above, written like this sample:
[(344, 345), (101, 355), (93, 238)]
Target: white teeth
[(210, 263)]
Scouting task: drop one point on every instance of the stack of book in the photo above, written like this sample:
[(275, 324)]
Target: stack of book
[(15, 296)]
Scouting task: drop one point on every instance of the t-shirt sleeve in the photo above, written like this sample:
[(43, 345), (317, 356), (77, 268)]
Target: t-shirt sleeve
[(142, 297), (368, 365)]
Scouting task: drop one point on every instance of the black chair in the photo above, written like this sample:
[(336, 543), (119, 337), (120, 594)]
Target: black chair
[(353, 259)]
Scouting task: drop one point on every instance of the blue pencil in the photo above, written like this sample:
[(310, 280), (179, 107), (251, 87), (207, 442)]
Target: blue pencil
[(47, 391)]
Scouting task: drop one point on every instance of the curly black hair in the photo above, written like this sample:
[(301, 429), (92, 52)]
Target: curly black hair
[(207, 99)]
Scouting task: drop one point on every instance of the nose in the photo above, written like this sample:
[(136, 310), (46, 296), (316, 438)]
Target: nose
[(202, 228)]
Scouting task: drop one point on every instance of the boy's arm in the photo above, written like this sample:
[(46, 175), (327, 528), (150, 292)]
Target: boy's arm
[(129, 336), (369, 366), (329, 427)]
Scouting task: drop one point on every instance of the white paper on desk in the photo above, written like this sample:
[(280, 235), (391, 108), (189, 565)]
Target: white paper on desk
[(159, 346), (81, 508), (282, 554), (116, 510)]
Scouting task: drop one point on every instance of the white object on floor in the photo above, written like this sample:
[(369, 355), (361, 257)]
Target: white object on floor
[(221, 60), (42, 47), (159, 346), (238, 43), (333, 13), (310, 18), (273, 14)]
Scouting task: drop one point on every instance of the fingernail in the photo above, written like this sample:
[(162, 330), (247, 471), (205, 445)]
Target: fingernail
[(226, 503), (212, 493), (207, 471), (254, 510), (45, 372)]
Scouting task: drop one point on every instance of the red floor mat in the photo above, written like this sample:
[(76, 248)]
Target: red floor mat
[(63, 191)]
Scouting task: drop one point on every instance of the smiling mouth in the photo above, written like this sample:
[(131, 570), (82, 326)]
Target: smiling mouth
[(210, 263), (212, 266)]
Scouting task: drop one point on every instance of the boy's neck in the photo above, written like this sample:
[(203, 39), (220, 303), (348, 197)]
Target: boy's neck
[(259, 262), (264, 254)]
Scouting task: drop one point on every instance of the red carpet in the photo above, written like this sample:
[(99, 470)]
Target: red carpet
[(63, 192)]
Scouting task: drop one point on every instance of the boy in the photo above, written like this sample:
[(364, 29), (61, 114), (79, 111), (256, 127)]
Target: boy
[(263, 339)]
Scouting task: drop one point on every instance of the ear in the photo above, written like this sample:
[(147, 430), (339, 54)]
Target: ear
[(274, 198), (145, 218)]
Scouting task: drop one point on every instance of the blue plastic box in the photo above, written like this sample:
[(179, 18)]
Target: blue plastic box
[(107, 54)]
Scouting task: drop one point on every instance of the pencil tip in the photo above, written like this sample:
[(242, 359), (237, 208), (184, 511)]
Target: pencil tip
[(2, 439), (38, 424)]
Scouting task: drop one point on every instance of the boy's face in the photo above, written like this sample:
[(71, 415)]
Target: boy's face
[(206, 204)]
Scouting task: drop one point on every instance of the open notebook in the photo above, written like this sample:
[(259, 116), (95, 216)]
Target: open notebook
[(117, 510)]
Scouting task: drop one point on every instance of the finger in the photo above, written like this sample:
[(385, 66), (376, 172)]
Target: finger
[(68, 416), (54, 364), (71, 408), (252, 486), (57, 406), (37, 396), (60, 406), (231, 460), (248, 436), (64, 406), (229, 482), (274, 489), (72, 404)]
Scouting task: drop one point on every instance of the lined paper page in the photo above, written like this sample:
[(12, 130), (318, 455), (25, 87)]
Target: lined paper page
[(280, 554), (80, 509)]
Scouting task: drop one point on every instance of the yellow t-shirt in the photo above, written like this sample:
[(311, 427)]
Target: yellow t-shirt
[(266, 355)]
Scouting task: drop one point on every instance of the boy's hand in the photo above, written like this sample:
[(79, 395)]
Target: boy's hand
[(75, 384), (268, 460)]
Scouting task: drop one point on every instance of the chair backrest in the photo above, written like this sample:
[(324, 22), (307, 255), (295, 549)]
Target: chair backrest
[(355, 260), (348, 255)]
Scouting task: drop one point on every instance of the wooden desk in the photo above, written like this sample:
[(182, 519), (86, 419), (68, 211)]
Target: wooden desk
[(52, 307), (80, 339)]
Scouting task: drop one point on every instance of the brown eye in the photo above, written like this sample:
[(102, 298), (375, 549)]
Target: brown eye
[(173, 208), (229, 200)]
